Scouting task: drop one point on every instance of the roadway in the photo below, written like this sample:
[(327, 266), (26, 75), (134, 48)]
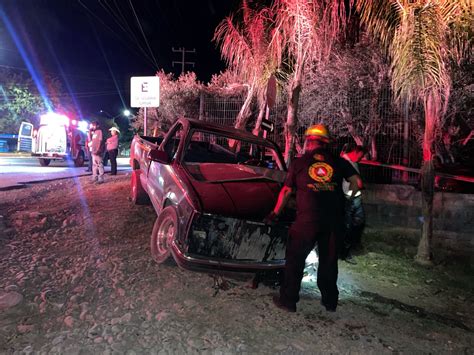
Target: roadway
[(17, 170)]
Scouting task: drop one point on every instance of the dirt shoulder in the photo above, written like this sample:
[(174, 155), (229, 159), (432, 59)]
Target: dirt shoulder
[(76, 276)]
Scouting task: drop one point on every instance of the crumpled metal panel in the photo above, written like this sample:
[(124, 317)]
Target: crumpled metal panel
[(234, 239)]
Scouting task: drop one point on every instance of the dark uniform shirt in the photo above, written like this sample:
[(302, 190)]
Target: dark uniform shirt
[(317, 178)]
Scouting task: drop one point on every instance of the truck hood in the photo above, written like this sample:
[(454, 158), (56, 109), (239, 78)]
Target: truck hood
[(236, 190)]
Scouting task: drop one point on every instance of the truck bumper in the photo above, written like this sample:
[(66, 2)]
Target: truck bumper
[(52, 156), (198, 262)]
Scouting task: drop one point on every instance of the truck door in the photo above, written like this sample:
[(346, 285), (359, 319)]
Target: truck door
[(25, 137), (158, 186)]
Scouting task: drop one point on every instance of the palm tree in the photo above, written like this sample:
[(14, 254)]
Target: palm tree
[(245, 47), (305, 32), (422, 37)]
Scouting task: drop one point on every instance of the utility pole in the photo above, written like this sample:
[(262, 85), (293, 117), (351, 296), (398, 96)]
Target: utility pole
[(183, 51)]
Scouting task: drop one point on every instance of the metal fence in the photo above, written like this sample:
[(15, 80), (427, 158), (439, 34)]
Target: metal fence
[(391, 135)]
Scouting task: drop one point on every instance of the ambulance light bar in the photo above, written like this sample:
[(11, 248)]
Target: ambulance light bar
[(52, 118)]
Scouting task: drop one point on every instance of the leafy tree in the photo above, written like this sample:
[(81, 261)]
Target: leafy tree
[(246, 48), (346, 92), (18, 102), (178, 98), (305, 32), (422, 38)]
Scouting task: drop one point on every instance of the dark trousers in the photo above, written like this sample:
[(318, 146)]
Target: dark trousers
[(113, 161), (354, 221), (302, 239), (89, 162)]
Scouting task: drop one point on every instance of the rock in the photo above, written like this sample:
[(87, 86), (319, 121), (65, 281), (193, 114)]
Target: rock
[(34, 214), (11, 288), (126, 318), (115, 329), (98, 340), (95, 331), (9, 299), (25, 328), (118, 347), (28, 350), (83, 315), (58, 340), (69, 321), (43, 222), (43, 269)]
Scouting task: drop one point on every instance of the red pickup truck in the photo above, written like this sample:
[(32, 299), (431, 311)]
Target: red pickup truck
[(211, 186)]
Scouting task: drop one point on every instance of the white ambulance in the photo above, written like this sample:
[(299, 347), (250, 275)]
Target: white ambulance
[(57, 138)]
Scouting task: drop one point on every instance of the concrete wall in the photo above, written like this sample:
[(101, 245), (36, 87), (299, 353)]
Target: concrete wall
[(397, 207)]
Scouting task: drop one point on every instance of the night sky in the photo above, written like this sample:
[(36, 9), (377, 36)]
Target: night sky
[(97, 45)]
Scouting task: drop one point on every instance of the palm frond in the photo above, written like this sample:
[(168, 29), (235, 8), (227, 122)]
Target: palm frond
[(460, 17), (419, 55), (380, 17), (235, 49)]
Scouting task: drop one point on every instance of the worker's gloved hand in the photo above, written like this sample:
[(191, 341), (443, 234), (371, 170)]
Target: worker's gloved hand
[(271, 218)]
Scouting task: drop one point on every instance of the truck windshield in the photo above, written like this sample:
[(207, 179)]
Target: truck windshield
[(206, 149)]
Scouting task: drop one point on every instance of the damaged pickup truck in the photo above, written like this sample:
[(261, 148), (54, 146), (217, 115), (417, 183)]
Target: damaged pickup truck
[(211, 187)]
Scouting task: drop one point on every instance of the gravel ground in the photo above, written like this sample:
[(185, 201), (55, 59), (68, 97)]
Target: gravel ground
[(76, 277)]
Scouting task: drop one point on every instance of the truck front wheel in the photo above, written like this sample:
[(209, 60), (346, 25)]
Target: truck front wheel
[(44, 162), (165, 231), (137, 192)]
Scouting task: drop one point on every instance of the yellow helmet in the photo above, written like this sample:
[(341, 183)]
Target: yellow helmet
[(318, 131)]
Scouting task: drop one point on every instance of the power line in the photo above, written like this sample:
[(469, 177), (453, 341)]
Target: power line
[(143, 33)]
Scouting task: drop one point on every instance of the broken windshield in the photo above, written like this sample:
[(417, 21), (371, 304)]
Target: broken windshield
[(214, 157)]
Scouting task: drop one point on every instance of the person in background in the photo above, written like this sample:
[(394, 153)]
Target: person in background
[(97, 150), (354, 218), (112, 149), (316, 177)]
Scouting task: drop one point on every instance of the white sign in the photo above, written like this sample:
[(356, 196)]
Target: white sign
[(144, 91)]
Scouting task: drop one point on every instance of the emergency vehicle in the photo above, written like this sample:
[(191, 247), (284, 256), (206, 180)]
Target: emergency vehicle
[(57, 138)]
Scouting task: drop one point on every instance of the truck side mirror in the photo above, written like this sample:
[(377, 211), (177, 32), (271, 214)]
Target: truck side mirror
[(159, 156)]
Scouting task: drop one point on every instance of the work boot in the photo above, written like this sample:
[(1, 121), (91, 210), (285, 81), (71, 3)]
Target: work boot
[(288, 308), (350, 259), (328, 307)]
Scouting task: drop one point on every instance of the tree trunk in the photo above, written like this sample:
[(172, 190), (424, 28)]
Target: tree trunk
[(245, 111), (373, 148), (291, 119), (261, 112), (424, 255)]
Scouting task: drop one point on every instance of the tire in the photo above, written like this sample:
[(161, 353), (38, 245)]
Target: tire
[(137, 192), (79, 161), (44, 162), (165, 231)]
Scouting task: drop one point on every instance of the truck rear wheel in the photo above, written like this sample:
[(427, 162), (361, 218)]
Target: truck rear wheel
[(137, 192), (79, 161), (44, 162), (165, 231)]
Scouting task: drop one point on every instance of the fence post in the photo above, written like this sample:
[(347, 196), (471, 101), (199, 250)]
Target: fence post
[(201, 105)]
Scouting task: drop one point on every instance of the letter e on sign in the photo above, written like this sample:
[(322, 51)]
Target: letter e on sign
[(144, 91)]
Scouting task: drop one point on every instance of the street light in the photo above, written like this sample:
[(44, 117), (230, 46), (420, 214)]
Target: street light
[(125, 113)]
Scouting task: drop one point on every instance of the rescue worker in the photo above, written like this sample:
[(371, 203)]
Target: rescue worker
[(354, 212), (97, 150), (112, 149), (316, 177)]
